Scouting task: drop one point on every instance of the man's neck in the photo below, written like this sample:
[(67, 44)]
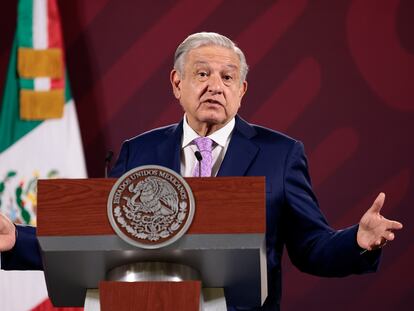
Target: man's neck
[(205, 129)]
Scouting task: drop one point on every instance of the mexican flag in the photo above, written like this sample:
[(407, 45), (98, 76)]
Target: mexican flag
[(39, 134)]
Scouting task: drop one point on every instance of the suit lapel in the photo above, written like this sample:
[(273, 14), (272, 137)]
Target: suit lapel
[(169, 150), (241, 151)]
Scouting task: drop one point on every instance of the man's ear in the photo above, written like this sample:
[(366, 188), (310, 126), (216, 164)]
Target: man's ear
[(175, 79), (243, 89)]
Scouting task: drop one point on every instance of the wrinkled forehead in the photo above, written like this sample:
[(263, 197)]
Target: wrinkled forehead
[(212, 64), (212, 55)]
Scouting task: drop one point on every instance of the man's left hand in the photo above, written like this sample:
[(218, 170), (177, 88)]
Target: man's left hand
[(375, 230)]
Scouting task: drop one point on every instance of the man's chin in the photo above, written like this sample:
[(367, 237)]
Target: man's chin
[(213, 120)]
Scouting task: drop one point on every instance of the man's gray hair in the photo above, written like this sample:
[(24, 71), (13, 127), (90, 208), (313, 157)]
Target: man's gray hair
[(199, 39)]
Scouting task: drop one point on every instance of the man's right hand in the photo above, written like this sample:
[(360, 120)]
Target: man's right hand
[(7, 234)]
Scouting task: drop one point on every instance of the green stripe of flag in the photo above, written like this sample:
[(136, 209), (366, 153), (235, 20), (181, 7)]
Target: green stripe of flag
[(68, 93), (27, 84), (25, 23), (12, 128)]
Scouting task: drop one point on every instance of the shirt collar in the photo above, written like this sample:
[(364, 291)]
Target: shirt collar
[(220, 137)]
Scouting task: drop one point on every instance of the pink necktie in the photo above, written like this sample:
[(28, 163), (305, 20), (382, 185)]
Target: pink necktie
[(204, 145)]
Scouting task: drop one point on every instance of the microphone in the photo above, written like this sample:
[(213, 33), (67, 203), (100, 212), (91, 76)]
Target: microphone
[(108, 159), (199, 159)]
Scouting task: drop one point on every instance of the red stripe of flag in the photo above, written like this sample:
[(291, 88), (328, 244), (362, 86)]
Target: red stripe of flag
[(57, 83), (46, 305), (55, 38), (55, 35)]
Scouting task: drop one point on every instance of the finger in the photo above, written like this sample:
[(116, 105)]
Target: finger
[(389, 236), (394, 225), (381, 241), (6, 226), (3, 223), (6, 243), (378, 203)]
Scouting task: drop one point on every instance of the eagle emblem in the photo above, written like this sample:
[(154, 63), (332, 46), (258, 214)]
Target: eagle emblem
[(150, 206)]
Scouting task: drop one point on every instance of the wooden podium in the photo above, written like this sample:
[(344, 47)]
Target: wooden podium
[(225, 244)]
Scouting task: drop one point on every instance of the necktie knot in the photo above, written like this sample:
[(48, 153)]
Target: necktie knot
[(205, 146)]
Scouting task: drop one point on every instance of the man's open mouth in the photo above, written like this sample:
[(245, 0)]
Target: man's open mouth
[(212, 101)]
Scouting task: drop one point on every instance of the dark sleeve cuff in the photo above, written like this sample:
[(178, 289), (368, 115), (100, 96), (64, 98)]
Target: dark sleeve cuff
[(25, 255), (368, 260)]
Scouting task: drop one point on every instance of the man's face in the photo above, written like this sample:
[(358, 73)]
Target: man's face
[(210, 88)]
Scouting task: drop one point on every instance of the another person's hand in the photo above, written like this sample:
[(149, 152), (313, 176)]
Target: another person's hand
[(7, 234), (375, 230)]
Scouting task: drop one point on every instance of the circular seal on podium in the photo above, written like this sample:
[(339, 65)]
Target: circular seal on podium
[(150, 206)]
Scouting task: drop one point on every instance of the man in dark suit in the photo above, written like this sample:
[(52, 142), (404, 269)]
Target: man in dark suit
[(209, 81)]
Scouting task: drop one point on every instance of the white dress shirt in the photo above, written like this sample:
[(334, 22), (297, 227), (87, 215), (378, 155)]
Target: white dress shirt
[(220, 138)]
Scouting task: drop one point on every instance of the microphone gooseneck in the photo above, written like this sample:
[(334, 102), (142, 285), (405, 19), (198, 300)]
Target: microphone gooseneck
[(108, 159)]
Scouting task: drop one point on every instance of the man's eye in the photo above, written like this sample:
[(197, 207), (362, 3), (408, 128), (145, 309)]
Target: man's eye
[(202, 74), (227, 77)]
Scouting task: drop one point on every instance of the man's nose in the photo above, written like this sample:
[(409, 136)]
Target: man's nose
[(215, 84)]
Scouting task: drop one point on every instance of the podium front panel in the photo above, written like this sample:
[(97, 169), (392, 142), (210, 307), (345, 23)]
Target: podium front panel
[(225, 243)]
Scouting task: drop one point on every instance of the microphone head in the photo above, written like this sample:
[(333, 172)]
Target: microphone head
[(109, 156), (198, 155)]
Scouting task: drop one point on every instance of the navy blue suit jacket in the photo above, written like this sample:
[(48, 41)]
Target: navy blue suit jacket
[(293, 217)]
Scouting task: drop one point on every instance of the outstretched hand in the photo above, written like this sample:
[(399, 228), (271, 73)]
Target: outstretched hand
[(375, 230), (7, 234)]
